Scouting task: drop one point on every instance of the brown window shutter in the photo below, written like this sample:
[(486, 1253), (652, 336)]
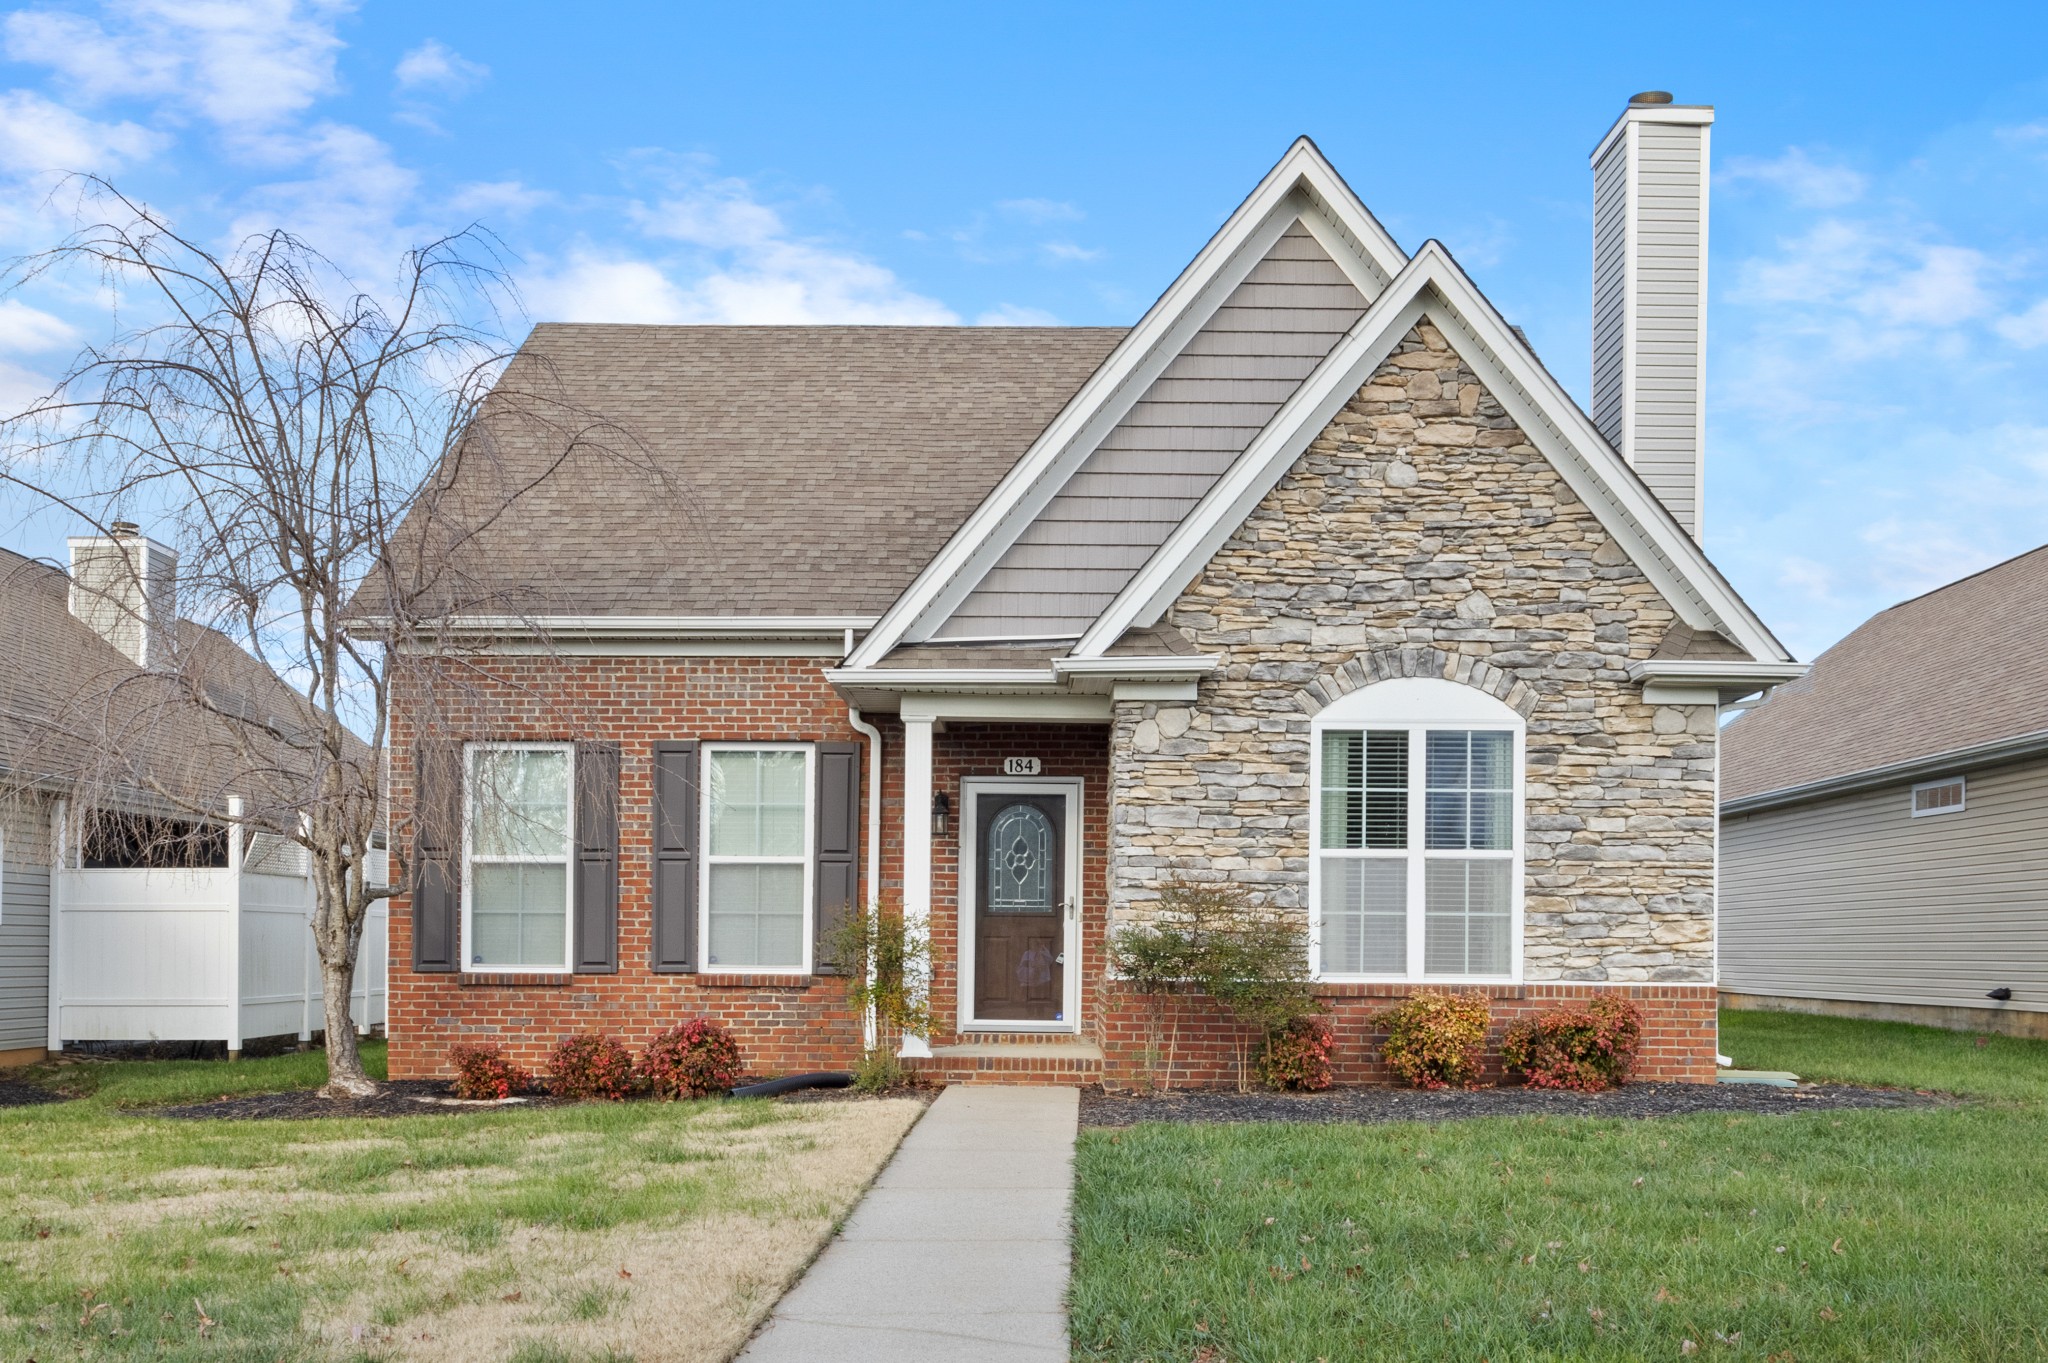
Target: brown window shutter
[(437, 782), (838, 845), (597, 858), (675, 857)]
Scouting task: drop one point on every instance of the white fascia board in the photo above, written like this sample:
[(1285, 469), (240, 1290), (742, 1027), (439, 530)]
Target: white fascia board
[(1716, 672), (1022, 709), (649, 626), (1302, 185), (1176, 665), (1701, 114), (1433, 286), (906, 679)]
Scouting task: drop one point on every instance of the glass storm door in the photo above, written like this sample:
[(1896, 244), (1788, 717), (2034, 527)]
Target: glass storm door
[(1020, 905)]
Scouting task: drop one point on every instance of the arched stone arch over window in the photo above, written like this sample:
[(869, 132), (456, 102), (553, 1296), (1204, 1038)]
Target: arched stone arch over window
[(1416, 863), (1386, 664)]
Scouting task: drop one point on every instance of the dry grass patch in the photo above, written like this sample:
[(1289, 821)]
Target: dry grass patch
[(650, 1231)]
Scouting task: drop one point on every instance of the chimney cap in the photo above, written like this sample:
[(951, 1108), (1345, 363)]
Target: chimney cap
[(1651, 97), (124, 530)]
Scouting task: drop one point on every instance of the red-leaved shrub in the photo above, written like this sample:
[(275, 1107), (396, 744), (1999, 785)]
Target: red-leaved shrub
[(591, 1066), (1434, 1039), (1590, 1047), (483, 1072), (1298, 1059), (694, 1059)]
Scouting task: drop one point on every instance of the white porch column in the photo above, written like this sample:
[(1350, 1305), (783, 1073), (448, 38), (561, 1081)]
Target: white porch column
[(917, 847)]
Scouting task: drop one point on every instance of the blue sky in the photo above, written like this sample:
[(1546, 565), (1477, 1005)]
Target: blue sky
[(1878, 352)]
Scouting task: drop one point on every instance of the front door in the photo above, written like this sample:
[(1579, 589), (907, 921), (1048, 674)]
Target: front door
[(1020, 907)]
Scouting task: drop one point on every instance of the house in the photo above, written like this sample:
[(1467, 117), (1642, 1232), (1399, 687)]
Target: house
[(1885, 818), (123, 917), (1314, 580)]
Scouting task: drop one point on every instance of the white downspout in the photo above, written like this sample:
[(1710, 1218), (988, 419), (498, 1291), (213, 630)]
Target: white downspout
[(874, 873)]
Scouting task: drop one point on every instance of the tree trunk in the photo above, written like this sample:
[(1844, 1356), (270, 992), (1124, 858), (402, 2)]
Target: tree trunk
[(345, 1076), (338, 935)]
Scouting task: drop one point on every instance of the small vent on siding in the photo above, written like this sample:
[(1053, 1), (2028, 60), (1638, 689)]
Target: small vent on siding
[(1938, 797)]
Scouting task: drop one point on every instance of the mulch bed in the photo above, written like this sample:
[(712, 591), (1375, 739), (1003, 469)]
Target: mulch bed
[(14, 1093), (399, 1098), (1372, 1105)]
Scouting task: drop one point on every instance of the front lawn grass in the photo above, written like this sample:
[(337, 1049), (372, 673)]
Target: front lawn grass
[(1879, 1235), (598, 1231)]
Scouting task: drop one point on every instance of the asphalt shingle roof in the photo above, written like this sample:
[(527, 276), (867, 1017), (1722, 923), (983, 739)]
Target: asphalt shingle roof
[(1961, 666), (771, 470)]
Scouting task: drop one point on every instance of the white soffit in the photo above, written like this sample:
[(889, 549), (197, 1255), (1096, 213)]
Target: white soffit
[(1304, 186), (1432, 286)]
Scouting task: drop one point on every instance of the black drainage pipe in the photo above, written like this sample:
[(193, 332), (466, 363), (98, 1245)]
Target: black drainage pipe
[(789, 1083)]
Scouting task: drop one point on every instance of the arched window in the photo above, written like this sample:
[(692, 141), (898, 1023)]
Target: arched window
[(1416, 869)]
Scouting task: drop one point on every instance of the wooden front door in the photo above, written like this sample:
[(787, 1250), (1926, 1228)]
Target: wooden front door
[(1020, 907)]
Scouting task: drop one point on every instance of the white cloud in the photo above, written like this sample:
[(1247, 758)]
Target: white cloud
[(25, 330), (2027, 329), (38, 135), (508, 197), (433, 66), (1016, 315), (349, 203), (1867, 288), (1801, 178), (244, 65), (1040, 210), (737, 262), (1066, 252)]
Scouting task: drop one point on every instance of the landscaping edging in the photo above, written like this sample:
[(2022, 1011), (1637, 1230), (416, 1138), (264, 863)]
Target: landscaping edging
[(1377, 1105)]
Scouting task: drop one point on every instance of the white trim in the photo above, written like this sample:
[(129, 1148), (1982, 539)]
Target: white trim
[(806, 905), (1652, 113), (1962, 784), (1172, 665), (1699, 400), (1303, 184), (1422, 704), (60, 862), (568, 860), (1631, 257), (965, 919), (1717, 672), (934, 678), (820, 646), (1039, 709), (917, 851), (1433, 286)]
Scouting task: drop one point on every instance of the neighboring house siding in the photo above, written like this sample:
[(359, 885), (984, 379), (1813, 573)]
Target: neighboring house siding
[(1855, 899), (25, 925), (1189, 427), (1422, 534)]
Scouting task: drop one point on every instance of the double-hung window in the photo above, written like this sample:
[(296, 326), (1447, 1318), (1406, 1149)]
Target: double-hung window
[(1417, 859), (519, 843), (758, 829)]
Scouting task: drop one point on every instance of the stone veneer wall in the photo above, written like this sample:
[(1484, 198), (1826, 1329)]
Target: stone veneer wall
[(1421, 534)]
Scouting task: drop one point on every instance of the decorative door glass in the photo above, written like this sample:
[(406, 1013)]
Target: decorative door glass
[(1020, 870)]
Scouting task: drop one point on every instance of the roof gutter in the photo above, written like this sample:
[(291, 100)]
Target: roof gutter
[(1999, 750), (582, 627), (1692, 681)]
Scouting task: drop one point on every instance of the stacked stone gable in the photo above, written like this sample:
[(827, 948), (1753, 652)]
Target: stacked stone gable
[(1422, 534)]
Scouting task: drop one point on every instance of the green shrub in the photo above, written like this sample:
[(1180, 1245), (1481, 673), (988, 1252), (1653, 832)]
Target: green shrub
[(591, 1066), (885, 960), (1590, 1048), (1434, 1039), (879, 1070), (483, 1072), (694, 1059), (1298, 1059)]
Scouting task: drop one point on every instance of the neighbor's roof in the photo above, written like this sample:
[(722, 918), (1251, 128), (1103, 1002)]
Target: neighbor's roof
[(1963, 666), (759, 438)]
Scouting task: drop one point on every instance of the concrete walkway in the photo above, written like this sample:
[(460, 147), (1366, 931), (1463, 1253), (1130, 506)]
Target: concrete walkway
[(958, 1252)]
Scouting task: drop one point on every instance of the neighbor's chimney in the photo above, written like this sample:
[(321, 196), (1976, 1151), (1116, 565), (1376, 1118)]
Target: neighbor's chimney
[(1650, 295), (124, 588)]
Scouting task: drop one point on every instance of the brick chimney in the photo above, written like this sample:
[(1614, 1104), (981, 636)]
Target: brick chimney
[(1650, 295), (124, 588)]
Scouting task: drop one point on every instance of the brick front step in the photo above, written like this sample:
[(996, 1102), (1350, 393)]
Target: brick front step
[(993, 1058)]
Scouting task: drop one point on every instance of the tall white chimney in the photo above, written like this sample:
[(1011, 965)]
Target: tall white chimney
[(1650, 295), (124, 589)]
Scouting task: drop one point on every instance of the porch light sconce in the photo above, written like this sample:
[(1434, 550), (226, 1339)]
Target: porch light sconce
[(941, 807)]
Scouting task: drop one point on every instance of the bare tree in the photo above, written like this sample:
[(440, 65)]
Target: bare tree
[(289, 428)]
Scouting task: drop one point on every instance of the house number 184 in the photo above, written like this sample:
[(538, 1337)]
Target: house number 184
[(1020, 766)]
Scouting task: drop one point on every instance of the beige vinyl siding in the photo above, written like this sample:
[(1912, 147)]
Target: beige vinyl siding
[(1177, 440), (25, 924), (1854, 898)]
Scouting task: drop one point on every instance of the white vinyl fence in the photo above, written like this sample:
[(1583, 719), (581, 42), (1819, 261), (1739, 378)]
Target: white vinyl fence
[(205, 955)]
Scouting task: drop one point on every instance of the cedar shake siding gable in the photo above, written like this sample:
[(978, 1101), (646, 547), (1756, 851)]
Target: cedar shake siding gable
[(1191, 424), (1422, 534)]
